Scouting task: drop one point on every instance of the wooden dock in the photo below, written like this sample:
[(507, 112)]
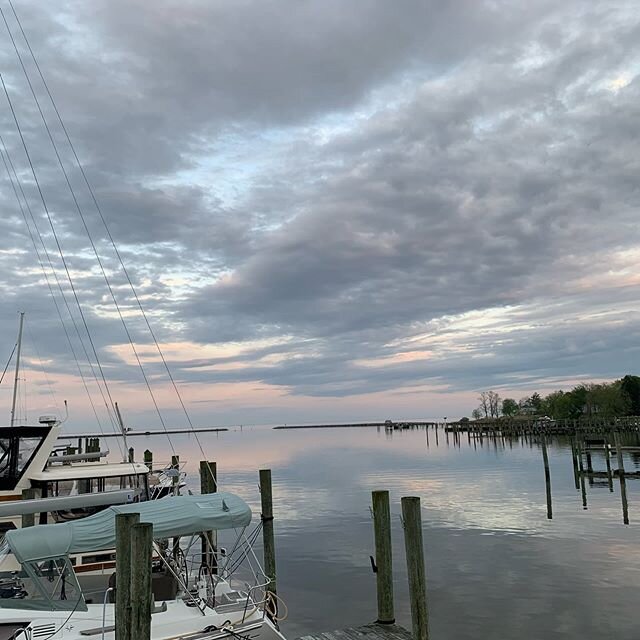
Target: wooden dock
[(387, 424), (367, 632)]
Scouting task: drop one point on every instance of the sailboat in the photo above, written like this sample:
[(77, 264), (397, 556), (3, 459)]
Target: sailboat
[(41, 595)]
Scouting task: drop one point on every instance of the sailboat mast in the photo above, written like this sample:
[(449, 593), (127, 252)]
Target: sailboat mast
[(15, 381)]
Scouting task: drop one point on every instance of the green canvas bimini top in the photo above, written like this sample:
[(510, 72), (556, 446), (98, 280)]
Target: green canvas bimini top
[(171, 517)]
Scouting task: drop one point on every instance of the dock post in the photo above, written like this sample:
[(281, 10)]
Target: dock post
[(623, 480), (132, 454), (209, 484), (175, 464), (268, 541), (574, 459), (124, 523), (141, 595), (547, 478), (384, 561), (148, 459), (412, 523), (29, 519)]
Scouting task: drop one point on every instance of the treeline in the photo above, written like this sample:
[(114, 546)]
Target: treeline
[(614, 399)]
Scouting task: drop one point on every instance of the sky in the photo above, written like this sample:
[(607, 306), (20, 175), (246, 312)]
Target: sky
[(329, 211)]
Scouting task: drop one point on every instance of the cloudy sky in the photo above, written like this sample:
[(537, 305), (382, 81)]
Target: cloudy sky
[(330, 210)]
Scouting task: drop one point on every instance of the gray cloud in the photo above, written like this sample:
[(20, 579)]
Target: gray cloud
[(347, 176)]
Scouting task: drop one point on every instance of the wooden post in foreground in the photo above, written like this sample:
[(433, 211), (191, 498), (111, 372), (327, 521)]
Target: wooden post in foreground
[(209, 484), (29, 519), (148, 459), (124, 523), (141, 596), (412, 522), (384, 561), (268, 540), (547, 478)]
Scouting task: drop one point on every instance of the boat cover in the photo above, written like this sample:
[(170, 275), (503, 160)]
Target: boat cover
[(171, 517)]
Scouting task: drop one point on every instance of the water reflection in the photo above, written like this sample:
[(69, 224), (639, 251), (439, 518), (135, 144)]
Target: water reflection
[(493, 552)]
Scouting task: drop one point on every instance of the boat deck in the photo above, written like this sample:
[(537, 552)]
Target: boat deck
[(367, 632)]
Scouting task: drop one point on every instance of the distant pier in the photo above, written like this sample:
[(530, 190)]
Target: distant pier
[(387, 424)]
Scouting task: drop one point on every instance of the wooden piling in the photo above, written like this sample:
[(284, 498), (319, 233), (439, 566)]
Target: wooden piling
[(29, 519), (148, 459), (412, 522), (132, 454), (547, 478), (141, 595), (384, 562), (124, 524), (209, 484), (268, 540), (175, 464)]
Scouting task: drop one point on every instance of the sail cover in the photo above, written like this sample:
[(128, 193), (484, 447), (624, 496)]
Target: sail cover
[(171, 517)]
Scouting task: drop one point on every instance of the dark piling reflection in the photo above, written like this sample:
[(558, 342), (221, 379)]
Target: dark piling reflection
[(547, 478)]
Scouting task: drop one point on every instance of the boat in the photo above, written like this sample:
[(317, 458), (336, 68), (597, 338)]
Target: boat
[(41, 595)]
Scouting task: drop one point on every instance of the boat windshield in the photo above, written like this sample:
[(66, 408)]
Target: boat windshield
[(48, 584), (18, 446)]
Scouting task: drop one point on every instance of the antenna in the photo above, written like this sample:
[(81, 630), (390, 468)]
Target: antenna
[(15, 381)]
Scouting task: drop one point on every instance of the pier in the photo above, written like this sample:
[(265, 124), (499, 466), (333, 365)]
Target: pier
[(372, 631)]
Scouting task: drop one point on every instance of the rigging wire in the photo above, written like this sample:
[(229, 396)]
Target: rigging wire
[(86, 228), (56, 238), (44, 371), (6, 366), (109, 235), (8, 163)]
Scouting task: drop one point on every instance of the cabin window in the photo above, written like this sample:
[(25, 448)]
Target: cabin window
[(18, 446)]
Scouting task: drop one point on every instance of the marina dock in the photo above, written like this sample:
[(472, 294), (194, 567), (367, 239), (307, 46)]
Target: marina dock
[(372, 631)]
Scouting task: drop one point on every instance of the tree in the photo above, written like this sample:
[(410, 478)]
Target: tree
[(476, 414), (494, 404), (490, 404), (509, 407), (630, 386)]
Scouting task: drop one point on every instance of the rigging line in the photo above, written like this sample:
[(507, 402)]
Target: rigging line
[(46, 277), (111, 239), (55, 235), (6, 366), (104, 222), (44, 372), (86, 228)]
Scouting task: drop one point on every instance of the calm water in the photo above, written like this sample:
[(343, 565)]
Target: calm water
[(496, 566)]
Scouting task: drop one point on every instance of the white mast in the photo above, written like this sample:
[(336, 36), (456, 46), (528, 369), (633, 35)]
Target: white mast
[(15, 382)]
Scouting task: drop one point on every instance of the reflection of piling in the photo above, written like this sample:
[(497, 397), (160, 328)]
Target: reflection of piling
[(623, 481), (547, 478), (384, 563), (574, 459), (607, 457), (412, 521), (583, 488)]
